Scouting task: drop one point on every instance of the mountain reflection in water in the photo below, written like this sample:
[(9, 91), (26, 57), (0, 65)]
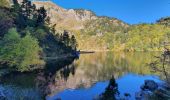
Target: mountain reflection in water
[(87, 77), (131, 69)]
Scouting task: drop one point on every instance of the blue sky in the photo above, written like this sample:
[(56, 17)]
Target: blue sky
[(130, 11)]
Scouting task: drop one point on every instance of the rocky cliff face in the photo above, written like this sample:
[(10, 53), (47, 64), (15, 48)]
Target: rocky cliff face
[(71, 19), (66, 19)]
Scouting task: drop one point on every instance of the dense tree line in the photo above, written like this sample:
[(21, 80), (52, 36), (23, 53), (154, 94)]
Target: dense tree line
[(19, 53), (139, 37), (27, 37)]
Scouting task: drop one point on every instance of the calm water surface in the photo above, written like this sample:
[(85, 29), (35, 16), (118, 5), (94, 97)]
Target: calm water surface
[(93, 72), (87, 77)]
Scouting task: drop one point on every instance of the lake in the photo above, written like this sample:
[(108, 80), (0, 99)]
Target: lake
[(85, 78)]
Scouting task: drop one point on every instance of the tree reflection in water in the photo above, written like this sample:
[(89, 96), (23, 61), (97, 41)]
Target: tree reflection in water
[(92, 68), (88, 70), (111, 91), (162, 66), (46, 79), (65, 72)]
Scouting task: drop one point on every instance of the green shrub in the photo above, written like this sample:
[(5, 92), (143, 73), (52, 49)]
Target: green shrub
[(21, 54)]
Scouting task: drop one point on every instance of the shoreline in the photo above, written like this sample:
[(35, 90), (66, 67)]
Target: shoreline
[(93, 51)]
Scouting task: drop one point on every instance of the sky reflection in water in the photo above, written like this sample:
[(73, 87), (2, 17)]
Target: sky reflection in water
[(130, 71), (129, 83)]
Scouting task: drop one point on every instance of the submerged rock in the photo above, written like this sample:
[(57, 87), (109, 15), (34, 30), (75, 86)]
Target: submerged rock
[(2, 95), (149, 85), (147, 90), (142, 95), (162, 93)]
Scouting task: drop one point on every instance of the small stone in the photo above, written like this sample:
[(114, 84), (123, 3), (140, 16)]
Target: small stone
[(127, 95)]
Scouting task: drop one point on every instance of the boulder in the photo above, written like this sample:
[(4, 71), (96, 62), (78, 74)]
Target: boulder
[(149, 85)]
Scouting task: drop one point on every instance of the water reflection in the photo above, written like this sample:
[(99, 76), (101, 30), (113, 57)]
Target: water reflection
[(111, 91), (46, 80), (66, 71), (19, 87), (84, 73), (161, 64), (31, 86), (92, 68)]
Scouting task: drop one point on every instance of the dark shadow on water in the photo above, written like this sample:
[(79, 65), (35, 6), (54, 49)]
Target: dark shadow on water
[(46, 79), (65, 72), (161, 65), (111, 91), (40, 81)]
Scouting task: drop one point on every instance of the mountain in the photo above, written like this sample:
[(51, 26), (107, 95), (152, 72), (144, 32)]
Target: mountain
[(86, 25), (98, 33), (72, 19), (66, 19)]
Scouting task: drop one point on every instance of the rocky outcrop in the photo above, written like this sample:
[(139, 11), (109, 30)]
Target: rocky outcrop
[(151, 90), (147, 90), (149, 85), (69, 19)]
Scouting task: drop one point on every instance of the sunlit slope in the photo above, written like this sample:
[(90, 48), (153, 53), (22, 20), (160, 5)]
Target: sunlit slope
[(98, 33)]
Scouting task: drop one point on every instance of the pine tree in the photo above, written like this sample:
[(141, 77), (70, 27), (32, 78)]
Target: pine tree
[(73, 42), (42, 14), (66, 38)]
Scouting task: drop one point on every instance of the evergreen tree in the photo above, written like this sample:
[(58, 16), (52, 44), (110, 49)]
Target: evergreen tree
[(42, 14), (6, 21), (20, 47), (66, 38), (73, 42), (53, 29)]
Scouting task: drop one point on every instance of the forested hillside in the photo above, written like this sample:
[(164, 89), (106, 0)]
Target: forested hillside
[(98, 33), (26, 38)]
